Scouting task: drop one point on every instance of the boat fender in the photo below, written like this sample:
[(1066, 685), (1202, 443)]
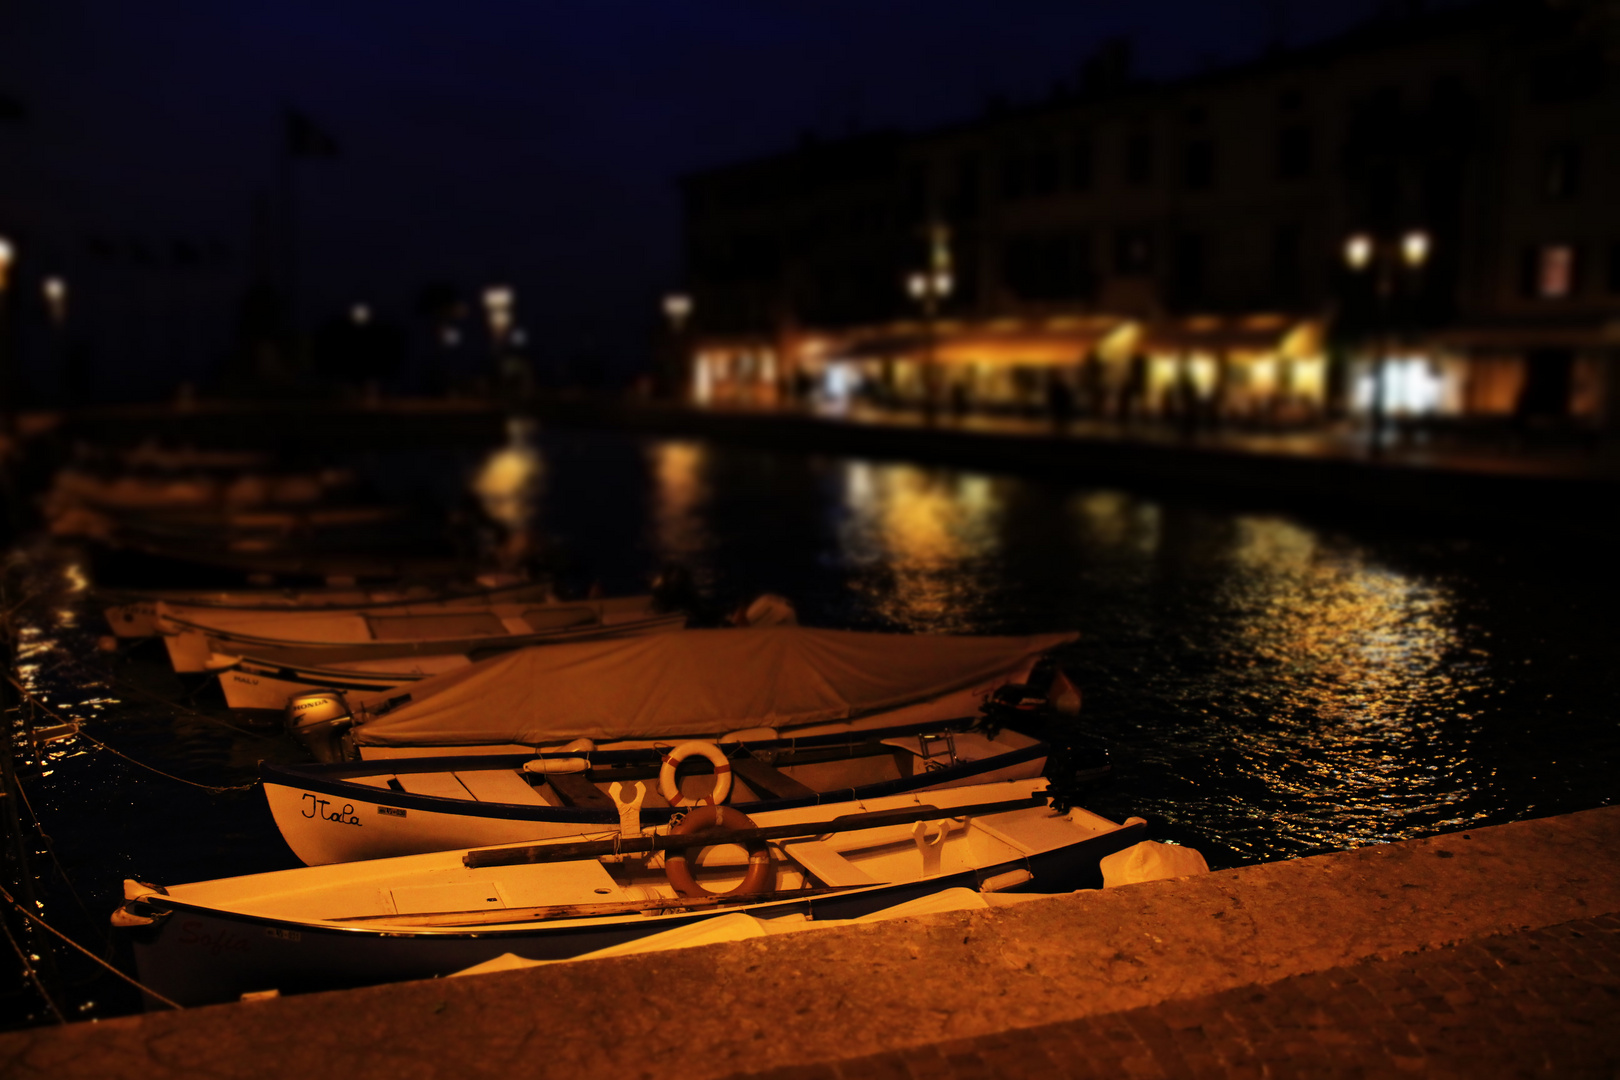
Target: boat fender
[(1009, 880), (671, 791), (553, 766), (578, 746), (761, 869)]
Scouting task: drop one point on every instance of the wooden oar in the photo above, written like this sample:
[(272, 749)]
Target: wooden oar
[(494, 916), (590, 849)]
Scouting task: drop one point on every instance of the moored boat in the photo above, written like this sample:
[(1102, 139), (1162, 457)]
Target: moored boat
[(339, 812), (410, 628), (427, 915), (698, 684)]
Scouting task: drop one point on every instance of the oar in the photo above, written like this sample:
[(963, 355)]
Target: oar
[(496, 916), (590, 849)]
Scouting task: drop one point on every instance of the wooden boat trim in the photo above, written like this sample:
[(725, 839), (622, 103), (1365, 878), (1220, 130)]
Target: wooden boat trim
[(301, 777)]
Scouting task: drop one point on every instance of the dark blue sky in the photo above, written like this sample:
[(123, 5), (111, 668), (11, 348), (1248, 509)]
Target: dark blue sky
[(537, 142)]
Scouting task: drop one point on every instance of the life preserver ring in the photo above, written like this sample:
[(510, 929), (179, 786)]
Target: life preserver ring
[(677, 866), (671, 791)]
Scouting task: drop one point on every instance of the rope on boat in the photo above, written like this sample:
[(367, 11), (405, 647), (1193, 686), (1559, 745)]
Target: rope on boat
[(98, 744), (188, 710), (50, 848), (32, 973), (48, 927)]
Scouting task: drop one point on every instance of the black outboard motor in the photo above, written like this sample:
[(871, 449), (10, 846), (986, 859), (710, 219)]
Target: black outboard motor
[(1047, 707), (319, 721)]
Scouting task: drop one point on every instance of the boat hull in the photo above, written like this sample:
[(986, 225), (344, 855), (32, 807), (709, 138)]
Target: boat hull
[(199, 956), (337, 821)]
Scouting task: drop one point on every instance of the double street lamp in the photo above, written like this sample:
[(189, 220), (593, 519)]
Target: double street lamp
[(1385, 258), (929, 288)]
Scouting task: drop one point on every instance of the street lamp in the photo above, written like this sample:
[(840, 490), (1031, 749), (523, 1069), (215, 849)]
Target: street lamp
[(1385, 258), (54, 290), (498, 301), (677, 308), (928, 288), (360, 314), (7, 253)]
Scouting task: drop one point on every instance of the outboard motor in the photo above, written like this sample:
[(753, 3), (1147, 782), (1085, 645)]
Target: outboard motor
[(1047, 708), (319, 721)]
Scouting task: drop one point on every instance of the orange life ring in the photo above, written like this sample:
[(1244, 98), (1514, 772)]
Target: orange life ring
[(669, 787), (761, 869)]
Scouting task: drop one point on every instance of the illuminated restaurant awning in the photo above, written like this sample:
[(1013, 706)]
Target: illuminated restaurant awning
[(1275, 334), (1005, 342)]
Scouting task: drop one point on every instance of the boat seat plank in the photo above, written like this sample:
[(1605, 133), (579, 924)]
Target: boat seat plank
[(768, 780), (500, 786), (441, 785), (828, 866), (380, 781), (575, 790)]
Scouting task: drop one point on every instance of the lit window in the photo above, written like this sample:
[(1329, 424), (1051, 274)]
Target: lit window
[(1555, 271)]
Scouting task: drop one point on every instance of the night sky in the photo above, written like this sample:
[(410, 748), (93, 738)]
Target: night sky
[(537, 143)]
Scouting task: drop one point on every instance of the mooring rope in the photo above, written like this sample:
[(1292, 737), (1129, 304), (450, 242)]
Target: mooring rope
[(51, 929), (32, 973), (93, 741), (50, 847), (188, 710)]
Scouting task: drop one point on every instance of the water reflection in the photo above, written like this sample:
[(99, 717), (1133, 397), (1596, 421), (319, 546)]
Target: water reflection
[(1326, 687), (919, 541), (680, 498)]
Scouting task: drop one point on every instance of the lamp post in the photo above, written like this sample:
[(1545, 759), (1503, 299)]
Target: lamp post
[(677, 309), (7, 256), (1385, 258), (928, 288)]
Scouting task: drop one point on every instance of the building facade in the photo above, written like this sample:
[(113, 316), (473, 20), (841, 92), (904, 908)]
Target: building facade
[(1416, 219)]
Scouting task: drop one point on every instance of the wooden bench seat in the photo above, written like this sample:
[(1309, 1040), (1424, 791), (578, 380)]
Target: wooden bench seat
[(574, 790), (768, 780)]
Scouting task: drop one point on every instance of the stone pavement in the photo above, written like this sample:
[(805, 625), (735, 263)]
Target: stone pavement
[(1543, 1002), (1340, 963)]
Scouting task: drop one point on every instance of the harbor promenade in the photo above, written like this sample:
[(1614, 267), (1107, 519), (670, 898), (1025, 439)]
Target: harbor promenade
[(1486, 952)]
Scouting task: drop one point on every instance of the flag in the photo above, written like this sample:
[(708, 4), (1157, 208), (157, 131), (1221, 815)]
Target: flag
[(304, 139)]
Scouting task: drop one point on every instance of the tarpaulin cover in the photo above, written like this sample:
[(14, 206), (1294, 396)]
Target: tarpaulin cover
[(694, 682)]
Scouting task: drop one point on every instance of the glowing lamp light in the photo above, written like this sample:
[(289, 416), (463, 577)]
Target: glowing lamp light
[(1358, 251), (360, 314), (917, 286), (942, 283), (7, 253), (519, 337), (498, 301), (55, 291), (1415, 247), (677, 308)]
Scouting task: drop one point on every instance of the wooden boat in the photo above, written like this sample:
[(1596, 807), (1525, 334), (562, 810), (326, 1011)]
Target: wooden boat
[(421, 916), (410, 628), (255, 685), (132, 613), (341, 812), (698, 684)]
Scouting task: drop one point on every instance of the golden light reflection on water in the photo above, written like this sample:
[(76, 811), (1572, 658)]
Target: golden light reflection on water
[(927, 529), (1342, 684), (680, 497)]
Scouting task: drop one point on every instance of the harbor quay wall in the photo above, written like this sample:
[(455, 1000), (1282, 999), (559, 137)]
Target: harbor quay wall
[(844, 993)]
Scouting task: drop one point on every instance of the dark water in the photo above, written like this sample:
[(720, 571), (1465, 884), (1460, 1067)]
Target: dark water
[(1271, 688)]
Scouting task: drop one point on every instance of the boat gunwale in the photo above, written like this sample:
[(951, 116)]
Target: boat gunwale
[(978, 875), (271, 774)]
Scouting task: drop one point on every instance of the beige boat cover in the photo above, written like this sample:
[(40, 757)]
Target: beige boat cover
[(695, 682)]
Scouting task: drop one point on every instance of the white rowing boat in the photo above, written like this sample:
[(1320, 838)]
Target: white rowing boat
[(421, 916)]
